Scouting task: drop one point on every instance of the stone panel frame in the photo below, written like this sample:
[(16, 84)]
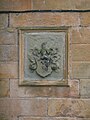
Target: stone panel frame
[(22, 81)]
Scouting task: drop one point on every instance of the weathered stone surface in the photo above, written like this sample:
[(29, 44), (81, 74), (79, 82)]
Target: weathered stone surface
[(15, 5), (4, 88), (74, 88), (47, 118), (82, 118), (44, 19), (8, 5), (81, 52), (80, 35), (33, 118), (3, 20), (85, 88), (8, 36), (81, 70), (85, 19), (60, 5), (4, 109), (6, 112), (17, 91), (8, 53), (82, 4), (3, 117), (9, 70), (37, 107), (20, 107), (52, 5), (32, 107), (69, 107), (52, 118)]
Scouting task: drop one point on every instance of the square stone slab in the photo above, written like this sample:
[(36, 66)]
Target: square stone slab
[(43, 56)]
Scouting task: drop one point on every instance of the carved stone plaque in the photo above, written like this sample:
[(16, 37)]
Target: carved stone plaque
[(43, 57)]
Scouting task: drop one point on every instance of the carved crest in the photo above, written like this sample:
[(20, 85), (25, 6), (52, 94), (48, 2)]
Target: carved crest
[(44, 60)]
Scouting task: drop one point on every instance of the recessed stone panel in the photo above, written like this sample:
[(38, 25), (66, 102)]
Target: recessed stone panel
[(43, 56)]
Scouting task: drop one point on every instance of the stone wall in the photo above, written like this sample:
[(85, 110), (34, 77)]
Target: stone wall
[(48, 102)]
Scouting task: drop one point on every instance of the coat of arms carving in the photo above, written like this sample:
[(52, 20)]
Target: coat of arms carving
[(44, 60), (43, 56)]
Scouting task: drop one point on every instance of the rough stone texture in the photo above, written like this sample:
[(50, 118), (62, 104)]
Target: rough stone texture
[(80, 70), (4, 109), (15, 5), (52, 118), (85, 19), (8, 70), (44, 19), (3, 117), (11, 114), (3, 20), (8, 5), (82, 118), (80, 35), (45, 118), (81, 52), (17, 91), (85, 88), (8, 53), (69, 107), (74, 88), (53, 5), (33, 107), (8, 36), (60, 5), (20, 107), (4, 88)]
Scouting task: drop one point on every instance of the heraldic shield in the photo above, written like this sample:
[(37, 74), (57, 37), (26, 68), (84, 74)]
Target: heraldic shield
[(44, 60)]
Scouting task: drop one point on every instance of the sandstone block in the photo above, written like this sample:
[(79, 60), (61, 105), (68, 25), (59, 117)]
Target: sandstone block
[(44, 19), (60, 5), (82, 4), (7, 36), (12, 108), (52, 118), (4, 108), (80, 70), (69, 107), (18, 91), (80, 35), (46, 118), (33, 118), (74, 88), (8, 53), (83, 119), (85, 19), (80, 52), (31, 107), (85, 88), (52, 5), (3, 20), (15, 5), (9, 70), (4, 88), (8, 5)]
